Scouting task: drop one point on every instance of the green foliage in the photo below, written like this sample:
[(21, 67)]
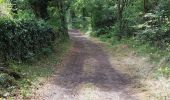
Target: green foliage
[(148, 22), (23, 36), (32, 72), (143, 25), (23, 39), (100, 13), (6, 80), (164, 71), (164, 8), (155, 26), (5, 8), (40, 8), (28, 30)]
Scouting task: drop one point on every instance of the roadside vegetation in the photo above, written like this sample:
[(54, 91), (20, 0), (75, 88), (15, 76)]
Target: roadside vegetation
[(143, 25), (34, 37), (33, 40), (139, 26)]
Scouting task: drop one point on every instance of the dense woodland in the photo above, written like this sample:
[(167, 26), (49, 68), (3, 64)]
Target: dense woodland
[(30, 28)]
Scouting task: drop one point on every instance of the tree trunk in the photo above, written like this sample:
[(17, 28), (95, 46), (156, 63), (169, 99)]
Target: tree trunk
[(40, 9), (84, 19), (64, 27), (120, 15), (63, 21), (145, 6)]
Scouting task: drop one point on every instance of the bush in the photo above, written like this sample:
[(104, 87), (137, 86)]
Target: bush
[(155, 33), (6, 80), (23, 39), (100, 31)]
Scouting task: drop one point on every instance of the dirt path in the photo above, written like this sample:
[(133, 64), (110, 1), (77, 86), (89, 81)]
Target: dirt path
[(87, 74)]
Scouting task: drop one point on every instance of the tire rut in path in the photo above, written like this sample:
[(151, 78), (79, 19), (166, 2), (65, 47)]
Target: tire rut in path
[(86, 75)]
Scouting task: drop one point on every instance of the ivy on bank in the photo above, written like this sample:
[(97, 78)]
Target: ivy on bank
[(23, 39)]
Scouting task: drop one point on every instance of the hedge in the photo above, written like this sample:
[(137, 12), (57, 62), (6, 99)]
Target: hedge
[(23, 39)]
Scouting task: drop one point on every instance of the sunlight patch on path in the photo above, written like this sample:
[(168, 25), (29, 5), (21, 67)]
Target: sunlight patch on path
[(89, 91)]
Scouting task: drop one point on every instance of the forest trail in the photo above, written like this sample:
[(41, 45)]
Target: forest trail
[(87, 74)]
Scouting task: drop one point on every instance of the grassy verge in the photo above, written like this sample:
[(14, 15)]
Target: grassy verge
[(34, 72), (149, 66), (160, 57)]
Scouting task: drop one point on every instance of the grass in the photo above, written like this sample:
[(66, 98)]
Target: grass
[(160, 57), (33, 73), (157, 80)]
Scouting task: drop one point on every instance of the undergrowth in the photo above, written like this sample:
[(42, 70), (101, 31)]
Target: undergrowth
[(33, 72), (154, 74), (157, 55)]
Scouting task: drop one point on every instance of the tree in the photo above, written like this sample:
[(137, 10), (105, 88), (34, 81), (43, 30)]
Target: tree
[(121, 6), (62, 6), (145, 6), (40, 8)]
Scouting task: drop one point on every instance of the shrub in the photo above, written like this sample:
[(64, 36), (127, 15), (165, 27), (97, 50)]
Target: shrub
[(155, 33), (6, 80), (23, 39)]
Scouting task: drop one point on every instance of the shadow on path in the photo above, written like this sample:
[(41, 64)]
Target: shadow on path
[(88, 64)]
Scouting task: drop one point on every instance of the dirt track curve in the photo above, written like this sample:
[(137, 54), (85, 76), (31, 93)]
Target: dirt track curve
[(87, 74)]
